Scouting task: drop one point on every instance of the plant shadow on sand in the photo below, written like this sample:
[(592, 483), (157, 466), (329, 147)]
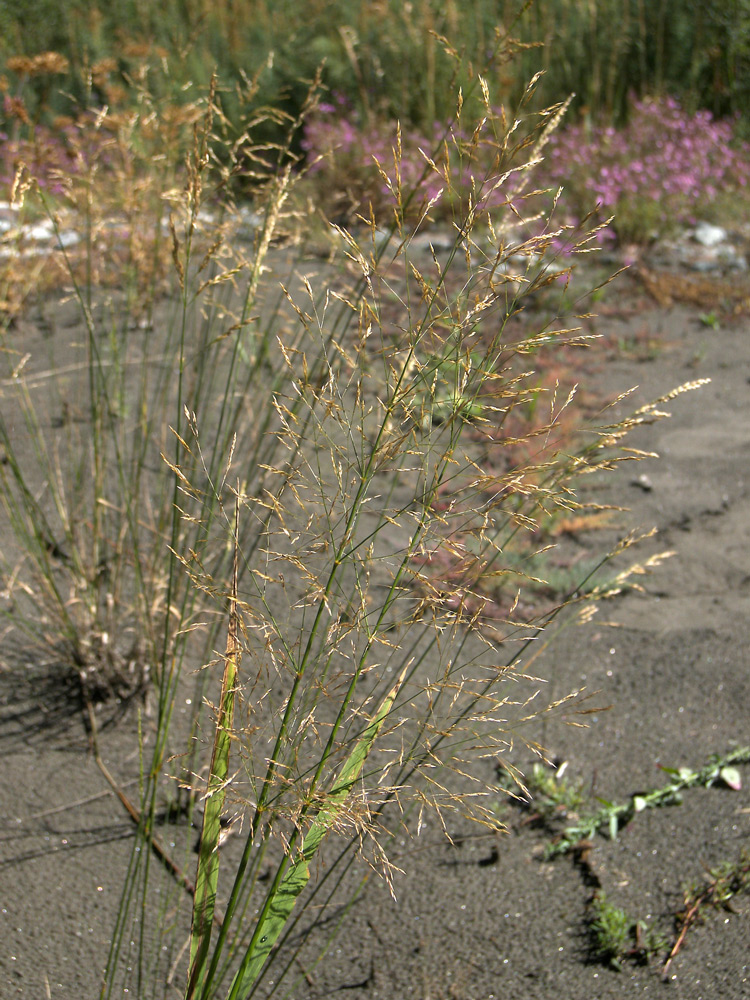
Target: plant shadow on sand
[(44, 705)]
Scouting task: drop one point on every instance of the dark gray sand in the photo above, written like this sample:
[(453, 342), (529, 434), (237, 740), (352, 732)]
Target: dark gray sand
[(486, 917)]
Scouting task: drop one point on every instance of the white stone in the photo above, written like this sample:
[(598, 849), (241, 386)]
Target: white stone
[(708, 235), (68, 238), (41, 231)]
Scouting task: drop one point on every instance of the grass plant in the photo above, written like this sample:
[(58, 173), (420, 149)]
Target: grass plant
[(284, 463), (614, 936), (391, 60), (610, 931)]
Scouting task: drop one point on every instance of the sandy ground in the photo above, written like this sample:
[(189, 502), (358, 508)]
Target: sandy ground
[(487, 917)]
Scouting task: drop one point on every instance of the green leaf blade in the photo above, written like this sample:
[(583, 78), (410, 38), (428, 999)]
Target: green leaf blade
[(279, 907)]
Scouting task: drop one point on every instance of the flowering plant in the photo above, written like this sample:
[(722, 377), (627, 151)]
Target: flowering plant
[(664, 168)]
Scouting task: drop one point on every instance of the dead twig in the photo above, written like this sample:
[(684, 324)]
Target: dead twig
[(153, 839)]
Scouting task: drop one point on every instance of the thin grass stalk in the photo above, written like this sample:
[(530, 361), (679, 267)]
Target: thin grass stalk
[(129, 491), (208, 859), (167, 675)]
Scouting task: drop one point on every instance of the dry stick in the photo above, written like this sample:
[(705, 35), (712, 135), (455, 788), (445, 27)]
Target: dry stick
[(687, 922), (689, 919), (308, 977), (156, 845), (176, 964)]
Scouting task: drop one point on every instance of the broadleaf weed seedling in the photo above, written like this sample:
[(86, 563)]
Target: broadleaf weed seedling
[(711, 320)]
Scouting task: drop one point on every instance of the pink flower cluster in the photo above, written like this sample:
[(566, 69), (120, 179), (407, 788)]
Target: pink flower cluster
[(49, 154), (664, 168), (345, 153)]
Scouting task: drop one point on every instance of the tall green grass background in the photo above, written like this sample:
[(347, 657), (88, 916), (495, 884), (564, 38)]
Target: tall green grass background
[(388, 57)]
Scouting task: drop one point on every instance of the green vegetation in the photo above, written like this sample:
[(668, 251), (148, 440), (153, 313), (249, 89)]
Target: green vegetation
[(224, 454), (615, 937), (391, 60), (613, 816), (334, 474), (552, 793), (720, 886)]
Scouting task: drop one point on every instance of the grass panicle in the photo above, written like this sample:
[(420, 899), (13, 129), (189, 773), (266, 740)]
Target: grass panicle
[(346, 466)]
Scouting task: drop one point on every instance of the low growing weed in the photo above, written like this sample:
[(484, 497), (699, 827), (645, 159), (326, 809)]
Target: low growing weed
[(721, 885), (615, 937), (552, 793), (613, 816)]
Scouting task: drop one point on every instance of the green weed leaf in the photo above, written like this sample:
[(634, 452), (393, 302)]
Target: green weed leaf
[(731, 777)]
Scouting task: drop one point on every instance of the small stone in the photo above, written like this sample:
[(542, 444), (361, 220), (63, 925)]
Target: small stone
[(68, 238), (708, 235), (643, 483), (41, 231)]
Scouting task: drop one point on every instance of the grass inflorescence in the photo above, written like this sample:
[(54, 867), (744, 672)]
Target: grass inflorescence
[(328, 477)]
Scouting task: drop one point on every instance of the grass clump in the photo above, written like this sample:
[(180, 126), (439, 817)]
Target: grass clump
[(615, 937), (610, 930), (393, 61), (285, 463)]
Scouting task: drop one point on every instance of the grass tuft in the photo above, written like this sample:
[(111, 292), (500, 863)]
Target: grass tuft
[(336, 471)]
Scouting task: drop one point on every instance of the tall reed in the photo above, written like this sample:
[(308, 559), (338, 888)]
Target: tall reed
[(388, 58)]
